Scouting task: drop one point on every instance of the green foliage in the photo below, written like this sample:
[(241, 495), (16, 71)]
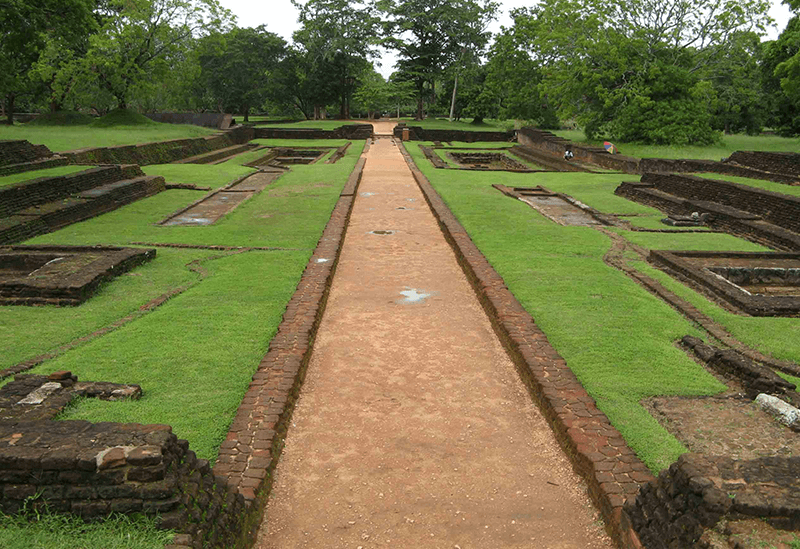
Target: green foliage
[(782, 77), (52, 531), (638, 71), (435, 35), (235, 66)]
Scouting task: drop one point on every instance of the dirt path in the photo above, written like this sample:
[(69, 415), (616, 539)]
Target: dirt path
[(413, 428)]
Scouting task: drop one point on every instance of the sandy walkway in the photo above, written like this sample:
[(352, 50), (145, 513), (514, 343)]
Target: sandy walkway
[(413, 429)]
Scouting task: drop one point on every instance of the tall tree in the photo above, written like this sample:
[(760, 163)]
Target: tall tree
[(430, 35), (337, 36), (235, 66), (137, 34), (25, 29), (638, 70)]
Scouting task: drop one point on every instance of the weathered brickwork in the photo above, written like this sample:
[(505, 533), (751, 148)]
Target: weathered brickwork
[(553, 145), (352, 131), (760, 216), (417, 133), (19, 151), (697, 491), (597, 450), (162, 152), (776, 162)]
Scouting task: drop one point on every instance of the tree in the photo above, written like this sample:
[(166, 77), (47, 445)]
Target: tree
[(514, 75), (235, 66), (782, 76), (373, 93), (337, 37), (430, 35), (138, 34), (639, 70), (25, 29)]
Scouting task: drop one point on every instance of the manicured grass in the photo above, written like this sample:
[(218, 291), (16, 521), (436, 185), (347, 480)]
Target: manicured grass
[(790, 379), (202, 175), (36, 174), (58, 138), (193, 356), (26, 332), (290, 213), (616, 337), (51, 531), (729, 145), (792, 190)]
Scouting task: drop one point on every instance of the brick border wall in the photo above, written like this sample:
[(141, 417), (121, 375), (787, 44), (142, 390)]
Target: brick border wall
[(248, 457), (160, 152), (418, 133), (597, 450), (351, 131)]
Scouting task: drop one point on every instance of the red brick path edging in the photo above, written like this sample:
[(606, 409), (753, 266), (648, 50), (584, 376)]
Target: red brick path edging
[(597, 450), (248, 456)]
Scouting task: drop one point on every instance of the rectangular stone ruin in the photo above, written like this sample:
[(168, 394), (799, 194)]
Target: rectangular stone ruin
[(283, 157), (209, 209), (61, 275), (557, 207), (487, 160), (94, 469), (756, 283)]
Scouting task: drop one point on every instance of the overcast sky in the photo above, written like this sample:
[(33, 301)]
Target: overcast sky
[(280, 17)]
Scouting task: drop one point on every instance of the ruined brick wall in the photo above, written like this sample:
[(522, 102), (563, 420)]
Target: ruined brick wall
[(93, 469), (19, 151), (421, 134), (555, 146), (351, 131), (162, 152), (697, 491), (779, 209), (777, 162), (47, 189)]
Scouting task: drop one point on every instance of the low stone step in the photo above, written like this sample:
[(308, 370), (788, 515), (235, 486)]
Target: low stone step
[(217, 155), (40, 164)]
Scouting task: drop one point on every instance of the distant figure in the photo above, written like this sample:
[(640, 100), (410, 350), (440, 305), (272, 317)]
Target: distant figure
[(568, 155)]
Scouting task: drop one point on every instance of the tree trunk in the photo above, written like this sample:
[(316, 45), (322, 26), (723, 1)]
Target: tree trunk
[(10, 108), (453, 101), (247, 113)]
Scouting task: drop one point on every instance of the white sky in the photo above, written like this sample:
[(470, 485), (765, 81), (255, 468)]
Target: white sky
[(280, 17)]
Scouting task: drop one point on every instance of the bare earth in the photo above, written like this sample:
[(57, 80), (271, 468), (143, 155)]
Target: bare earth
[(413, 428)]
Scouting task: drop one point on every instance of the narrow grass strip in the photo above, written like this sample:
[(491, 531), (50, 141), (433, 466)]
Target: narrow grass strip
[(13, 179)]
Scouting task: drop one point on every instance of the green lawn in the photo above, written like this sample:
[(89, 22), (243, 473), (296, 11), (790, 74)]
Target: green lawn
[(316, 124), (50, 531), (466, 125), (60, 138), (729, 144), (13, 179)]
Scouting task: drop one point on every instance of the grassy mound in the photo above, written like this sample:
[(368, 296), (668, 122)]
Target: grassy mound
[(62, 118), (122, 117)]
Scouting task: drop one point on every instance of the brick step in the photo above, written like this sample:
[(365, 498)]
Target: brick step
[(546, 160), (217, 155), (44, 218), (40, 164), (42, 190)]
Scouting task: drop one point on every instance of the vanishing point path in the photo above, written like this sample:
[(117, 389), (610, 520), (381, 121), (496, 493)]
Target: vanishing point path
[(413, 428)]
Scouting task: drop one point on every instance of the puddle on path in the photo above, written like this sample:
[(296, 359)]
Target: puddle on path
[(412, 295), (381, 233)]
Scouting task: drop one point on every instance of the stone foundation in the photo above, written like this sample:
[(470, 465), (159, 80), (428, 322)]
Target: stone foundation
[(697, 491)]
